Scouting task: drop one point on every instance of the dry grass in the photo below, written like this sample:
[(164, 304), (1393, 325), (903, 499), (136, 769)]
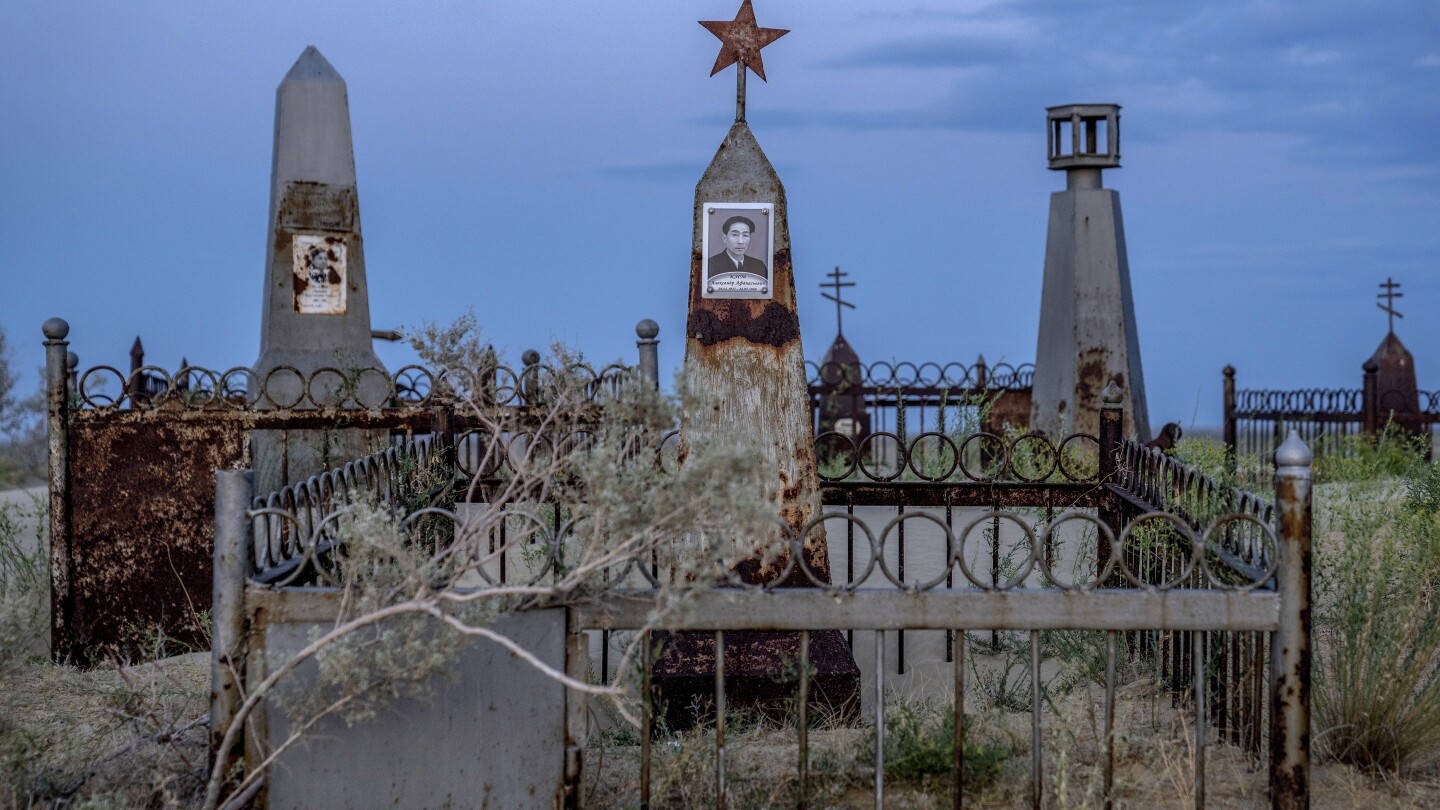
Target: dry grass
[(111, 737), (1154, 750)]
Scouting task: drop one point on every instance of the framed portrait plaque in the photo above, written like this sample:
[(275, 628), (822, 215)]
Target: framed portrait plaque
[(321, 267), (738, 243)]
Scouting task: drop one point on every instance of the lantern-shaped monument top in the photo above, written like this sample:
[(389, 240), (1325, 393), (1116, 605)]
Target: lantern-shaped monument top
[(1084, 136)]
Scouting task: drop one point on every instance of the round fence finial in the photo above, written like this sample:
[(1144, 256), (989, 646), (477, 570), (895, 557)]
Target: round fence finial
[(647, 329), (72, 361), (1228, 371), (530, 357), (1113, 394), (1293, 452), (56, 329)]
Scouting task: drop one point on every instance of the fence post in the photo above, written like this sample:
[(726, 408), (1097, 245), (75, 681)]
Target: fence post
[(1290, 649), (1112, 420), (1229, 436), (649, 348), (1370, 399), (233, 492), (57, 405)]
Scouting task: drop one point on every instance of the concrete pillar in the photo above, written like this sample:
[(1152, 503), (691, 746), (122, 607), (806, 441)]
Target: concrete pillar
[(316, 311), (742, 355), (1087, 313), (744, 362)]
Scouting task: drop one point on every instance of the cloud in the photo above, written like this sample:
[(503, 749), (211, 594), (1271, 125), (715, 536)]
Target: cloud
[(1340, 78), (932, 52)]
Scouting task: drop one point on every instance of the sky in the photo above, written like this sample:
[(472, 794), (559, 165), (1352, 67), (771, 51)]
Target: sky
[(535, 163)]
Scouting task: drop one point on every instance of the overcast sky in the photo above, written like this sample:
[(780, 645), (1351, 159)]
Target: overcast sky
[(536, 162)]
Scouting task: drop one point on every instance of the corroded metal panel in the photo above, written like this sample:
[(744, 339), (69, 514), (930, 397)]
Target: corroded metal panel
[(490, 733), (142, 500)]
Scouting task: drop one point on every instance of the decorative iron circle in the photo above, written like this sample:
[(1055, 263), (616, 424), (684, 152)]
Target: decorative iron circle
[(985, 475), (1104, 539), (373, 379), (899, 520), (813, 576), (100, 400), (899, 451), (270, 381), (946, 441), (240, 388), (965, 536), (328, 387), (854, 455), (1127, 535), (1044, 471), (1073, 475), (1266, 533)]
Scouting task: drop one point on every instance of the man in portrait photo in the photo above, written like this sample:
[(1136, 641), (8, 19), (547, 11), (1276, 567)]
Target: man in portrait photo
[(735, 236)]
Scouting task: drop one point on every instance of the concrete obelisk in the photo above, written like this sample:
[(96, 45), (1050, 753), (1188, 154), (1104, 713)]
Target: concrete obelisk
[(316, 313), (1087, 313), (744, 363)]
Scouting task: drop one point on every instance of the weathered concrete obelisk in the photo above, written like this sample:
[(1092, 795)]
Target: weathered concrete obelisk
[(1087, 314), (316, 313), (744, 360)]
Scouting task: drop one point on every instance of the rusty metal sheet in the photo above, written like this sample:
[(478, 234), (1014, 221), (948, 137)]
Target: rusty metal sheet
[(142, 499)]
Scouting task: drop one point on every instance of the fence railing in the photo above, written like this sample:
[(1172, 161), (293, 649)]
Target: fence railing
[(1257, 421), (1212, 587)]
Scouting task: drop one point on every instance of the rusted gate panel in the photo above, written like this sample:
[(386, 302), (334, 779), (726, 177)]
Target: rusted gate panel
[(142, 498)]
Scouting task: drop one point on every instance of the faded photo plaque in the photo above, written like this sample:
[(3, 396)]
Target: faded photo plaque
[(320, 271), (738, 242)]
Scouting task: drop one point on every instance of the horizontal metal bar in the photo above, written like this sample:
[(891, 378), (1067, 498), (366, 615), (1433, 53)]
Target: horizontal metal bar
[(959, 493), (943, 608), (395, 419)]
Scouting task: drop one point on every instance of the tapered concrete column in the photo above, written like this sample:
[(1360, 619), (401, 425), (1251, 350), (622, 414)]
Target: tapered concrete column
[(317, 309), (744, 363), (742, 355), (1087, 334)]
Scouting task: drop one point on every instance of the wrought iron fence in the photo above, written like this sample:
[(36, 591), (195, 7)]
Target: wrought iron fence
[(1172, 566), (1257, 421)]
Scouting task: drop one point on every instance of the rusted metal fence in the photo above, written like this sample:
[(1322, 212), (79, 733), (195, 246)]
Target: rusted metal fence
[(1209, 585), (132, 457), (904, 398), (1257, 421)]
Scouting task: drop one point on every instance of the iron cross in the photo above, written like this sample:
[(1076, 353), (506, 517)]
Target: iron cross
[(1390, 286), (837, 284), (740, 41)]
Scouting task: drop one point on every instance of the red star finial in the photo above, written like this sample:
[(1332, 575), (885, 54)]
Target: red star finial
[(742, 40)]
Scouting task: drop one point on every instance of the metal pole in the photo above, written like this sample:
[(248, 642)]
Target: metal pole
[(1290, 648), (233, 491), (802, 729), (1370, 399), (719, 720), (576, 666), (1229, 430), (649, 348), (57, 401), (1112, 421)]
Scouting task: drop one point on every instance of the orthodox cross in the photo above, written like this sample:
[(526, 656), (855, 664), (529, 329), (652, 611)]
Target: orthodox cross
[(740, 41), (837, 284), (1390, 286)]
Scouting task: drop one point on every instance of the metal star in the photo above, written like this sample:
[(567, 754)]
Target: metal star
[(742, 40)]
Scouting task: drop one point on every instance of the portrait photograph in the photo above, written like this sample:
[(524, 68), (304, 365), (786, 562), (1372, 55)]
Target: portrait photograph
[(320, 268), (739, 246)]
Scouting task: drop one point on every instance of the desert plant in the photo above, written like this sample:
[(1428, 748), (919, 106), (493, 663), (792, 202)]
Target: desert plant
[(920, 746), (577, 458), (1377, 667)]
